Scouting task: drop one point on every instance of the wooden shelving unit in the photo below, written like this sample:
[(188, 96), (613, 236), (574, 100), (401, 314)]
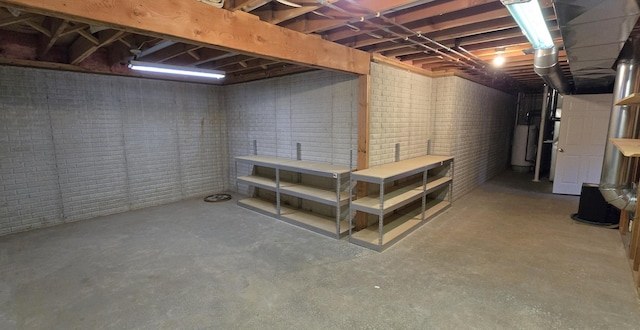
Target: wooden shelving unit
[(631, 148), (311, 195), (402, 196)]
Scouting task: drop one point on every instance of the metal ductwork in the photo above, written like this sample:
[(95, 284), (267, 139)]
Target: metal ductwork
[(545, 63), (616, 184), (593, 33)]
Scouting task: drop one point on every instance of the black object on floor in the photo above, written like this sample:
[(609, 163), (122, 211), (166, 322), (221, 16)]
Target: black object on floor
[(217, 198), (594, 210)]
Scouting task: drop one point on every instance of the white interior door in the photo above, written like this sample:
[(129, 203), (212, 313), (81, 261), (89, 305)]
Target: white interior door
[(583, 134)]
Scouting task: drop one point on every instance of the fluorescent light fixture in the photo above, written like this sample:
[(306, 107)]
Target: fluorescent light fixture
[(528, 15), (177, 70)]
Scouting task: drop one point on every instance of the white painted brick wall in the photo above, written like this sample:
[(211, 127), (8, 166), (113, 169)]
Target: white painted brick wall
[(316, 109), (76, 146), (400, 111), (469, 121), (473, 123)]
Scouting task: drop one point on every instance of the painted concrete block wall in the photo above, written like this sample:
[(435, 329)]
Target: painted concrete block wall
[(455, 116), (316, 109), (474, 123), (400, 112), (77, 146)]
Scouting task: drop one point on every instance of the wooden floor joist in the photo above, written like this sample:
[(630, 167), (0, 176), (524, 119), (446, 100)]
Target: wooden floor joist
[(199, 24)]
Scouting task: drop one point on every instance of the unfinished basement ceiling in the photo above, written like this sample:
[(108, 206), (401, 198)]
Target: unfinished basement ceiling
[(594, 33), (440, 36)]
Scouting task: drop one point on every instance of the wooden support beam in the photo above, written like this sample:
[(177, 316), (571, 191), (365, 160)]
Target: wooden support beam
[(83, 48), (276, 72), (74, 28), (247, 5), (408, 50), (87, 35), (193, 54), (432, 9), (125, 42), (215, 65), (169, 52), (56, 26), (391, 46), (324, 24), (401, 65), (635, 237), (15, 20), (279, 16), (364, 94), (36, 26), (249, 65), (210, 54), (200, 24)]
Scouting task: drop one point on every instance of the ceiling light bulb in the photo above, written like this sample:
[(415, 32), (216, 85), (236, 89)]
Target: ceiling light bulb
[(498, 61)]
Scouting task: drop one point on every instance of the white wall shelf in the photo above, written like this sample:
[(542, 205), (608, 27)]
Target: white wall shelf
[(311, 195), (402, 196)]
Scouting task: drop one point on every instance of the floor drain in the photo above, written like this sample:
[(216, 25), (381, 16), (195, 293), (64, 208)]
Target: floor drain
[(217, 198)]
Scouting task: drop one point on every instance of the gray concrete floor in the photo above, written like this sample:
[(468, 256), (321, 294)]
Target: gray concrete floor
[(505, 256)]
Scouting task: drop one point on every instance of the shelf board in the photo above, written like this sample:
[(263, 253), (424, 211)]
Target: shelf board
[(320, 169), (434, 207), (301, 166), (258, 181), (312, 221), (315, 194), (392, 171), (399, 226), (437, 183), (393, 200), (628, 147), (633, 99), (316, 222), (262, 182), (262, 160), (259, 205)]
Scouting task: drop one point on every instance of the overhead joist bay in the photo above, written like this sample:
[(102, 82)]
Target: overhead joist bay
[(200, 24)]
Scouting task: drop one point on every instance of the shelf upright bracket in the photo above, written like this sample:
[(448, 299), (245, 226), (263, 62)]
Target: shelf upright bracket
[(338, 208), (424, 193), (298, 174), (381, 214), (236, 176), (451, 163), (350, 190), (277, 168)]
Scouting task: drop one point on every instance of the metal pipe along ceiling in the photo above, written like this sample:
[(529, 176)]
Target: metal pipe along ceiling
[(616, 183), (545, 64)]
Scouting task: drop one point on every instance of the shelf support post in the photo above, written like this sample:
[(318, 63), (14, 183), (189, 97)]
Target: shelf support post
[(338, 208), (624, 222), (381, 216)]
